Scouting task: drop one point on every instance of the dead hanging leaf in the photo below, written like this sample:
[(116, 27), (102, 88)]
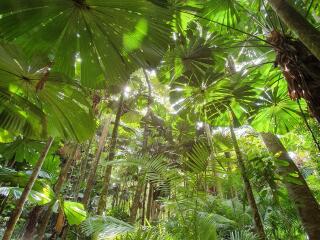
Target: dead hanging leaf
[(96, 99), (70, 151), (43, 80), (66, 151), (60, 222), (300, 68), (77, 153)]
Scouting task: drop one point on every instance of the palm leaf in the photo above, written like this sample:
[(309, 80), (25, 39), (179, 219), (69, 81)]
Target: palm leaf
[(104, 226), (222, 11), (41, 192), (105, 40), (74, 212), (153, 168), (149, 233), (243, 235), (58, 109), (276, 112), (198, 159), (37, 197)]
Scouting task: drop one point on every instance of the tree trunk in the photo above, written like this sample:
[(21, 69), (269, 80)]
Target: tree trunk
[(307, 206), (136, 201), (150, 201), (143, 210), (137, 197), (83, 167), (112, 151), (93, 170), (24, 196), (32, 223), (252, 202), (57, 189), (306, 32)]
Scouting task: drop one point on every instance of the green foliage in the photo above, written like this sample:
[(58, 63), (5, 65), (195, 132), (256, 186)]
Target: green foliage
[(40, 197), (119, 213), (152, 168), (38, 103), (198, 159), (102, 227), (242, 235), (103, 41), (276, 112), (41, 192), (21, 150), (142, 234), (74, 212), (224, 12)]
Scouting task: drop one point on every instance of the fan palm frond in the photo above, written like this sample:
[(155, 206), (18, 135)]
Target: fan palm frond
[(41, 192), (276, 112), (103, 40), (74, 212), (223, 12), (37, 197), (36, 102)]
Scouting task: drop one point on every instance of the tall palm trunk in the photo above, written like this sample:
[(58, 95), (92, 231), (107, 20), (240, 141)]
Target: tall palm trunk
[(150, 203), (112, 151), (307, 33), (93, 170), (248, 188), (57, 190), (24, 196), (137, 196), (144, 199), (307, 206)]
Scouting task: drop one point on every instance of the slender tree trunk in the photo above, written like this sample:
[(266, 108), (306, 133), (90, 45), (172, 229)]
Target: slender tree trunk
[(57, 189), (24, 196), (137, 197), (248, 188), (143, 210), (136, 201), (306, 32), (93, 170), (112, 151), (32, 223), (65, 231), (83, 167), (150, 201), (307, 206), (84, 162)]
